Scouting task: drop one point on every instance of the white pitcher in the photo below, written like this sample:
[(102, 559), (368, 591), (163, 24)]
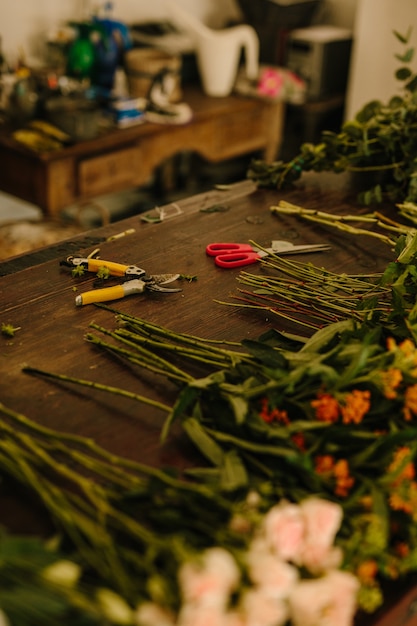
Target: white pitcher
[(218, 51)]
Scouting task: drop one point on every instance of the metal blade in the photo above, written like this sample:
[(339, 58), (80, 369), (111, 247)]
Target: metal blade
[(164, 279), (155, 287)]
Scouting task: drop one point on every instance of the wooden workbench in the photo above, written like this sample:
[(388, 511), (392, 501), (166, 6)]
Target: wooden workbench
[(37, 295), (119, 159)]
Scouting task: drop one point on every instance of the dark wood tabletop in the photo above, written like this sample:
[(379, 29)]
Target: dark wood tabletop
[(37, 295)]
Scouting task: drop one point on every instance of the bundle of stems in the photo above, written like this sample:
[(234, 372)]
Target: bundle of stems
[(111, 510), (312, 296), (344, 222)]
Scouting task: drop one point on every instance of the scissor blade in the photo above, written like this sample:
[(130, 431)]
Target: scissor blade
[(305, 249), (286, 247)]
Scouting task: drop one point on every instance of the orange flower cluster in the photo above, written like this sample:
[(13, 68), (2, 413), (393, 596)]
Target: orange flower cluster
[(410, 402), (272, 415), (404, 487), (326, 408), (356, 404), (391, 380), (338, 470), (367, 571)]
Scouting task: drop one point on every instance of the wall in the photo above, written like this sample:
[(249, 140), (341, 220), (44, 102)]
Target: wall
[(25, 24), (373, 63)]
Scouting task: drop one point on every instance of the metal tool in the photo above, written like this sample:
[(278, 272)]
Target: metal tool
[(136, 280), (229, 255)]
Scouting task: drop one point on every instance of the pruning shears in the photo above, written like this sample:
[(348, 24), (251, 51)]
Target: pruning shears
[(136, 280)]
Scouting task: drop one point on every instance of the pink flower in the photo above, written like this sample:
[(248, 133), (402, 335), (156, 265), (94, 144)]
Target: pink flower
[(328, 601), (270, 82), (262, 610), (322, 520), (284, 531), (210, 580)]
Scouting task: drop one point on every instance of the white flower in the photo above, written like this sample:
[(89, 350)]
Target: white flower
[(114, 607), (201, 614), (284, 531), (326, 601), (210, 580), (150, 614), (261, 610), (274, 576), (322, 520), (63, 573), (3, 619)]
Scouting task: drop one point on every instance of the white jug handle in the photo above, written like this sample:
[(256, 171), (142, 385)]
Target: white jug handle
[(250, 42)]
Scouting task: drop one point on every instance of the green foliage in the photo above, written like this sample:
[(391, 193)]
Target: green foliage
[(380, 143)]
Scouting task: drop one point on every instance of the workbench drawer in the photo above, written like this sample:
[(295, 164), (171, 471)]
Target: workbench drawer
[(108, 172)]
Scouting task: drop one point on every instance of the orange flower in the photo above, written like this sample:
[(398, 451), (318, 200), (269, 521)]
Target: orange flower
[(367, 571), (407, 472), (326, 408), (404, 488), (344, 481), (402, 549), (356, 405), (399, 503), (339, 470), (324, 464), (391, 380), (407, 347), (270, 415), (299, 440), (410, 402)]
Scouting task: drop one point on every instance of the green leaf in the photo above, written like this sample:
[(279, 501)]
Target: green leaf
[(239, 406), (403, 38), (324, 336), (233, 472), (266, 354), (203, 441), (185, 399), (403, 73)]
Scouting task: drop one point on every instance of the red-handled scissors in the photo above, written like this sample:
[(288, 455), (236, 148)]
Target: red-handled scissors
[(229, 255)]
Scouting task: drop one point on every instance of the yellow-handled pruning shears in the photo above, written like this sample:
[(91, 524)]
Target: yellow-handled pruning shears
[(136, 280)]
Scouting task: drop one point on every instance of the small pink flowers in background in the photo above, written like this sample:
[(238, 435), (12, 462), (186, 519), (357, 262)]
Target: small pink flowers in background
[(281, 84), (271, 82)]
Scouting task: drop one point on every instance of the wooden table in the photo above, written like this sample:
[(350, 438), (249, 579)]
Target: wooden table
[(37, 295), (221, 128)]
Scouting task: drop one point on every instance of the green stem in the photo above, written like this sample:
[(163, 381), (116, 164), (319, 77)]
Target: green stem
[(100, 386)]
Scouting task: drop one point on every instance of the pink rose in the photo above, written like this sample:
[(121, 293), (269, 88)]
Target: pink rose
[(284, 531), (328, 601)]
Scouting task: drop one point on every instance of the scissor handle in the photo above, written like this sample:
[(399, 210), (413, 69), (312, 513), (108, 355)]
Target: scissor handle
[(236, 259), (214, 249)]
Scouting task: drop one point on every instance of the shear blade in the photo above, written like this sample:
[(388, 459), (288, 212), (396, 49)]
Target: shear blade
[(160, 288), (164, 279)]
